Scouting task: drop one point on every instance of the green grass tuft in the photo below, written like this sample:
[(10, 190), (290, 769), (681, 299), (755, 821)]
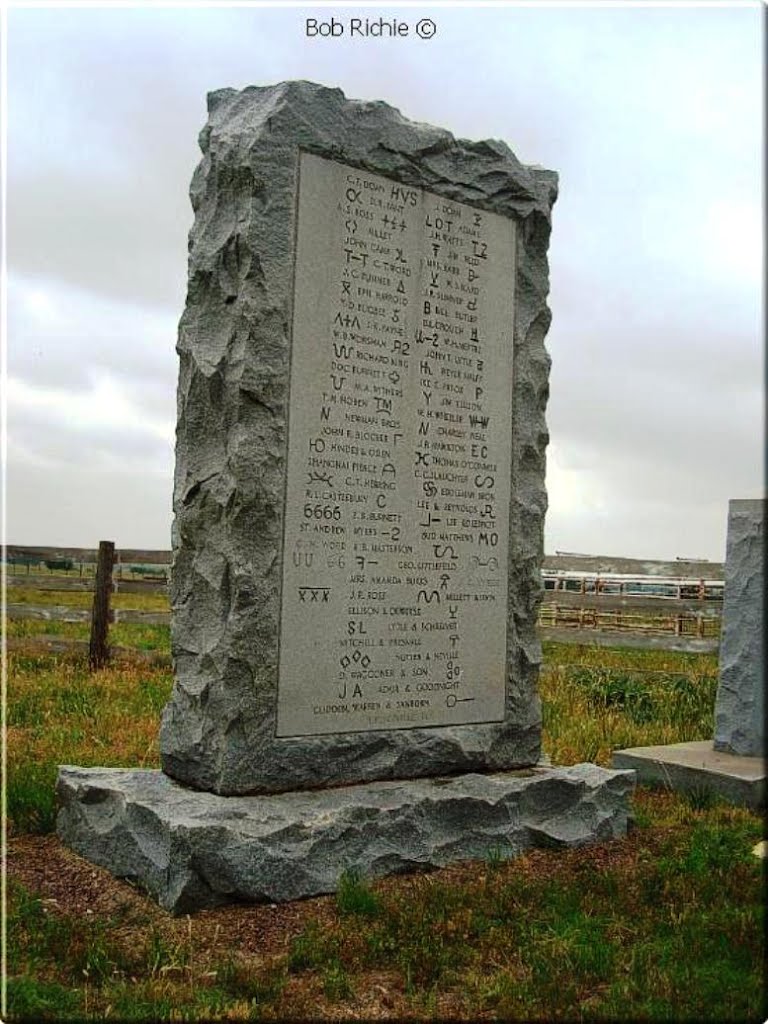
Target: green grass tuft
[(31, 797), (30, 999), (354, 895), (309, 950)]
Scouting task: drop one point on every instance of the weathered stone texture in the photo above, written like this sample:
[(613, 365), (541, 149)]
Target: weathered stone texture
[(739, 708), (218, 730), (194, 850)]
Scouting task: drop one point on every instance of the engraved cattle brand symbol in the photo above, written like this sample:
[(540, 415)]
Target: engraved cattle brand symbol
[(452, 700), (361, 257), (362, 561), (356, 659), (491, 563), (453, 670), (310, 594), (393, 483), (319, 478), (350, 322)]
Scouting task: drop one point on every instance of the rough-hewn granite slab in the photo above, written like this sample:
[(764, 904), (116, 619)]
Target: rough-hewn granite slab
[(218, 731), (739, 707), (193, 850)]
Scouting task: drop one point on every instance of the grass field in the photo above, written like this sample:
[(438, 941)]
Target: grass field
[(157, 602), (663, 925)]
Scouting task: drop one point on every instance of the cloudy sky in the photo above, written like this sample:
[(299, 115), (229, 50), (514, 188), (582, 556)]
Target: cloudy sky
[(651, 115)]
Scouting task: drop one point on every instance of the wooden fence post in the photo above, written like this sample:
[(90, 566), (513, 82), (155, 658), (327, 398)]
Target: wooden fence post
[(98, 653)]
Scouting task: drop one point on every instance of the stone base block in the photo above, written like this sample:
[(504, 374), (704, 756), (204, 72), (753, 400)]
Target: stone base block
[(698, 766), (192, 849)]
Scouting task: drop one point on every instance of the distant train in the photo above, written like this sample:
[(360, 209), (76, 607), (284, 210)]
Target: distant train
[(635, 586)]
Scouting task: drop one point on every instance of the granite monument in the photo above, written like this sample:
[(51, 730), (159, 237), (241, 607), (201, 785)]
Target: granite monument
[(359, 505), (740, 704)]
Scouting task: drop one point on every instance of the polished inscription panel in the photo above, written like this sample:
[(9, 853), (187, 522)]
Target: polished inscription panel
[(394, 592)]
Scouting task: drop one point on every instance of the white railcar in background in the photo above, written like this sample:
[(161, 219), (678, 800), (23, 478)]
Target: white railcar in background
[(616, 585)]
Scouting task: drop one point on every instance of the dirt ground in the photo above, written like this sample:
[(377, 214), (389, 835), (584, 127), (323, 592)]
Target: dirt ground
[(73, 886)]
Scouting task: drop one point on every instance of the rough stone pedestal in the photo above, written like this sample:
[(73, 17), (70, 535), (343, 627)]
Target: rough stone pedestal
[(697, 766), (193, 850), (733, 766)]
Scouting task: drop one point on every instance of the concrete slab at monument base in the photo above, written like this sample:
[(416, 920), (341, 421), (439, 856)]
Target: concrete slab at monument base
[(193, 849), (698, 766)]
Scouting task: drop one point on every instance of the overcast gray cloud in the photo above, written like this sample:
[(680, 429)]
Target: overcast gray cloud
[(652, 117)]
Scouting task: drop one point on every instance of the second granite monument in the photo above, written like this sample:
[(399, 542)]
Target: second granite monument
[(732, 766), (359, 507)]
